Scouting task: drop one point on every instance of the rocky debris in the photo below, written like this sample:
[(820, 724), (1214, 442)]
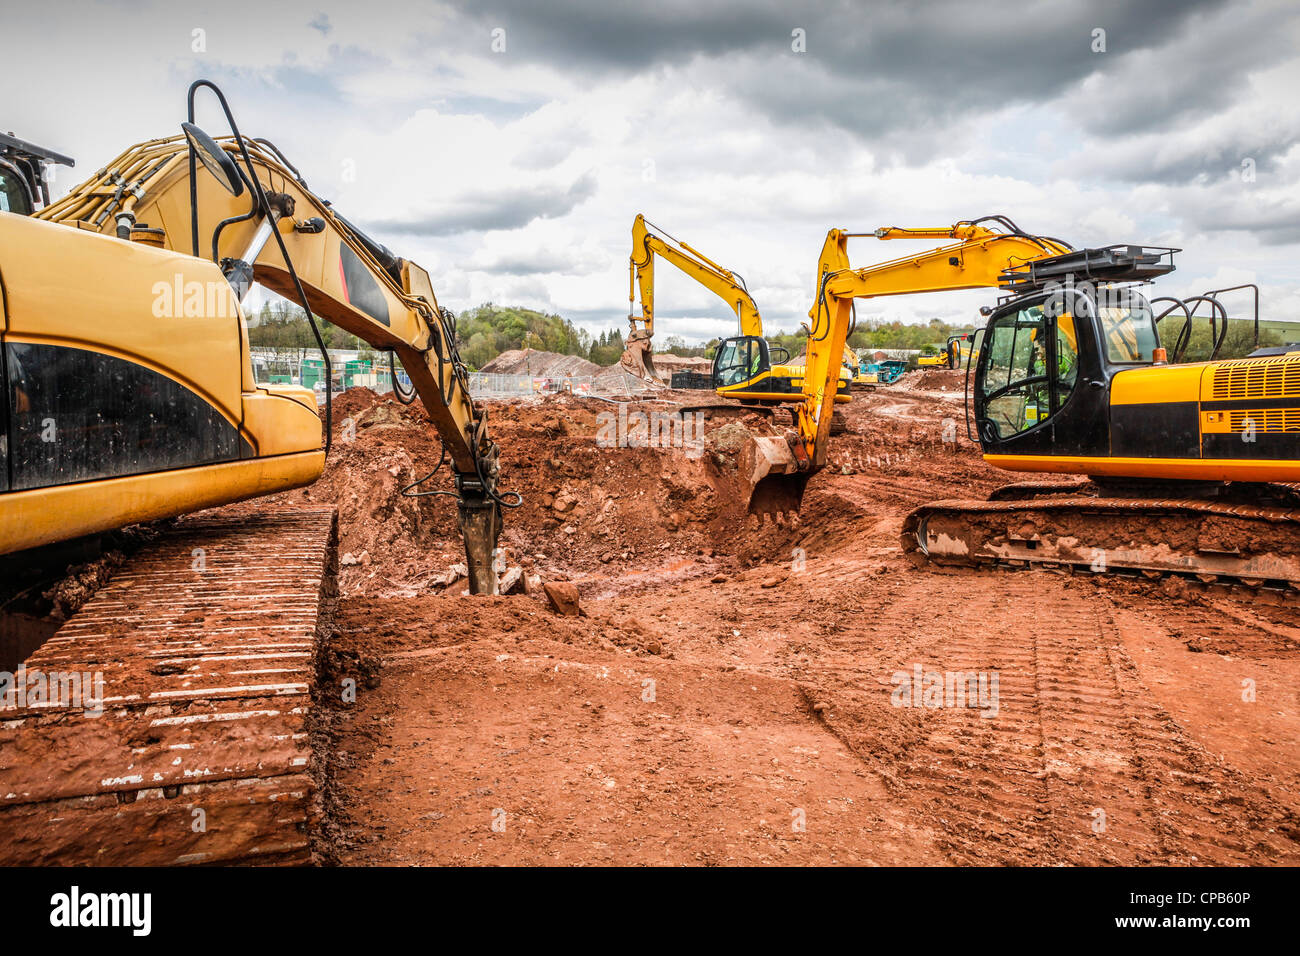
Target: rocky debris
[(453, 574), (729, 439), (563, 597), (512, 581)]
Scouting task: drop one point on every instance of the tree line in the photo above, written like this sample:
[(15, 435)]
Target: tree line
[(485, 332)]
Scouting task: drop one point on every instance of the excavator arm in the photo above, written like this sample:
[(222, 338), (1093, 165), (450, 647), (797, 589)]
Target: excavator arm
[(980, 258), (725, 284), (256, 218)]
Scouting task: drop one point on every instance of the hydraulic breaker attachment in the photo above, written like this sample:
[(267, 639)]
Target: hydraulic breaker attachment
[(480, 526)]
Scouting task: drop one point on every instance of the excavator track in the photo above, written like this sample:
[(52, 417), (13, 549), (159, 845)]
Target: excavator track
[(1207, 539), (198, 749)]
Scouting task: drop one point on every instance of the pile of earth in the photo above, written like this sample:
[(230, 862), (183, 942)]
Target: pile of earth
[(605, 380), (593, 502), (935, 380)]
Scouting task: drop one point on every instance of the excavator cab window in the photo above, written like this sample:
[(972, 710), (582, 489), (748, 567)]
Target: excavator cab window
[(1031, 368), (1128, 327), (740, 359), (13, 193)]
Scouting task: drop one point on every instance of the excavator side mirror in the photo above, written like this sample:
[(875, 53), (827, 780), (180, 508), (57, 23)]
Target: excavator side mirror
[(216, 159)]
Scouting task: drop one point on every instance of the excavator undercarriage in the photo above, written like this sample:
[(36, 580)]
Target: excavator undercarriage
[(1248, 536)]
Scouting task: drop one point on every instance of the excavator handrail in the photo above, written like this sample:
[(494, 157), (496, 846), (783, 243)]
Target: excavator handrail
[(966, 383)]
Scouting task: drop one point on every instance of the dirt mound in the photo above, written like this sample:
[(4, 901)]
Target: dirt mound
[(593, 501), (534, 362), (606, 380), (935, 380)]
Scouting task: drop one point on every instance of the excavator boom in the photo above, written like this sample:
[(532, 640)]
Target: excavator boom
[(280, 234), (981, 258), (646, 245)]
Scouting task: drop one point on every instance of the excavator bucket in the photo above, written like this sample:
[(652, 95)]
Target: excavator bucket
[(638, 358), (772, 471)]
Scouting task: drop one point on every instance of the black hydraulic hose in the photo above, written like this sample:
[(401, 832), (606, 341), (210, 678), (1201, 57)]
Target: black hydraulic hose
[(397, 391), (261, 205)]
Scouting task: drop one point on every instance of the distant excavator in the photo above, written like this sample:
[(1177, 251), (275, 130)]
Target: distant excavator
[(746, 368)]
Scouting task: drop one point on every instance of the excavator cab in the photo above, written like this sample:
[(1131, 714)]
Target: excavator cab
[(740, 362), (748, 368), (1046, 362)]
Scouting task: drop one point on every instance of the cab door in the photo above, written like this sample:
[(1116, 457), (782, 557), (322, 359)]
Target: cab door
[(1027, 378), (739, 360)]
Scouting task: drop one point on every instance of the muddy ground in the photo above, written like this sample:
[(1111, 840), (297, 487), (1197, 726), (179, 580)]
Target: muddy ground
[(729, 695)]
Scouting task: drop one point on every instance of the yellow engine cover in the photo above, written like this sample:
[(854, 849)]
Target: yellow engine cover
[(130, 393)]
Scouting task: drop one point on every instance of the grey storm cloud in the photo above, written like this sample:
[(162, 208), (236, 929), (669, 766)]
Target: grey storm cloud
[(873, 66), (910, 79), (1274, 221), (1209, 159), (499, 208)]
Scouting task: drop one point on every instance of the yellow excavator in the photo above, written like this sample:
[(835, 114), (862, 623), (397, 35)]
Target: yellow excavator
[(746, 368), (780, 467), (1180, 468), (128, 396), (129, 390)]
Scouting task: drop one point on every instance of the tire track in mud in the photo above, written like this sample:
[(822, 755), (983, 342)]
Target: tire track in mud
[(1079, 765)]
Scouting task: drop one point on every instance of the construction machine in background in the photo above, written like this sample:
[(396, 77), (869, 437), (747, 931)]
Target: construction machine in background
[(936, 359), (746, 368), (129, 396)]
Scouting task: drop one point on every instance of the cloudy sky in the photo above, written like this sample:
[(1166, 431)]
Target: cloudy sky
[(507, 146)]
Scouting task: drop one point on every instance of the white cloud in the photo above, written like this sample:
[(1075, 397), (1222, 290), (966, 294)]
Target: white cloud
[(515, 177)]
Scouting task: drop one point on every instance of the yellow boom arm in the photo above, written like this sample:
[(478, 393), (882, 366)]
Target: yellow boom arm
[(978, 260), (723, 283), (358, 285)]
